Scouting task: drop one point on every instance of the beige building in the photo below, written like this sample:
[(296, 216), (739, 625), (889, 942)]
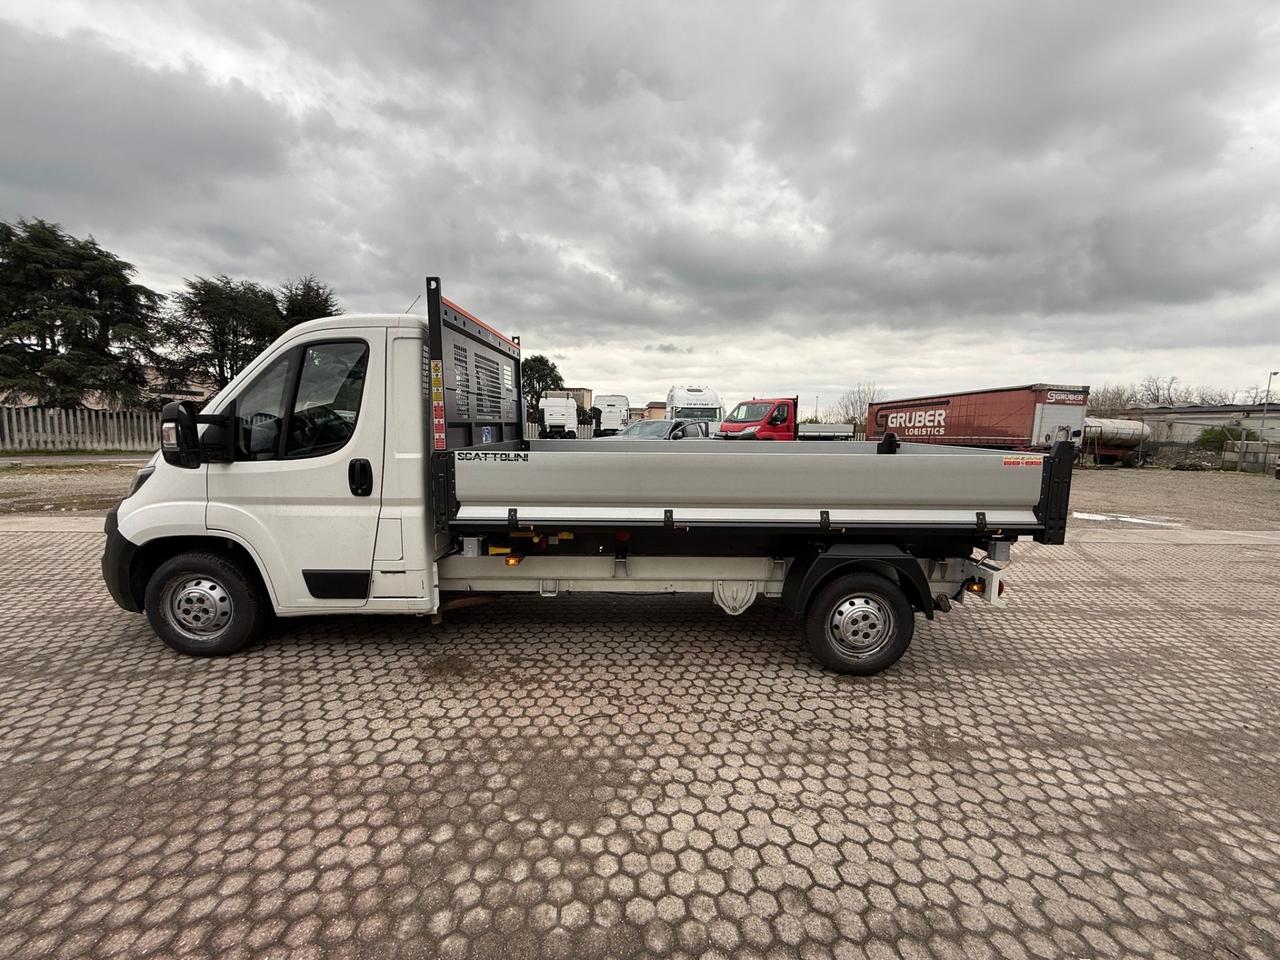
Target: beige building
[(581, 394), (656, 410)]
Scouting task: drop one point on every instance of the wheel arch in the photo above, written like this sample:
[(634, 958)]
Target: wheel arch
[(808, 575), (149, 556)]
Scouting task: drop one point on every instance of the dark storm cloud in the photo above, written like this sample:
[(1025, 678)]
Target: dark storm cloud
[(663, 173), (86, 125)]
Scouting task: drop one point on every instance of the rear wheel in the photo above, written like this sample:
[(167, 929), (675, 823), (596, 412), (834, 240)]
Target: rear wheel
[(860, 624), (205, 605)]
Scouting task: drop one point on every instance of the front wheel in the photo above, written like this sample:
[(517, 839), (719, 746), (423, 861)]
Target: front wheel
[(860, 624), (205, 605)]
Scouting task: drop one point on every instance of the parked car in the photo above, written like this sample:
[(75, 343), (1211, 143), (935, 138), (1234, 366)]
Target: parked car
[(775, 419), (683, 429)]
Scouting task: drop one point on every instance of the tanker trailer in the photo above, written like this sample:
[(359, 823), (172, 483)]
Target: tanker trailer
[(1115, 441)]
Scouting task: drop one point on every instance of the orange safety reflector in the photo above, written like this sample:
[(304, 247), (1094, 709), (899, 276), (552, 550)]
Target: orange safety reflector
[(513, 561)]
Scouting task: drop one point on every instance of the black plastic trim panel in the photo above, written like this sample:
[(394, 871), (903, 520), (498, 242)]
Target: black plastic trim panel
[(338, 584), (117, 564)]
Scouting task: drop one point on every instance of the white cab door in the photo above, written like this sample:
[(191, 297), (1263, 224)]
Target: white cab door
[(305, 490)]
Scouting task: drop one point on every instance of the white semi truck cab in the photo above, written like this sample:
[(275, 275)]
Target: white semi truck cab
[(615, 411), (558, 416), (377, 464), (694, 403)]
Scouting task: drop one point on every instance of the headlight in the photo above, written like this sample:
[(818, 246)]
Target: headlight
[(139, 479), (748, 432)]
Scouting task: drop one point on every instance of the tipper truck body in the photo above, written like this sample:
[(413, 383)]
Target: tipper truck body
[(377, 464)]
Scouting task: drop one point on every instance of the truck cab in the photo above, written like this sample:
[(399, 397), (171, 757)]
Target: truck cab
[(558, 416), (694, 403), (614, 413), (761, 419)]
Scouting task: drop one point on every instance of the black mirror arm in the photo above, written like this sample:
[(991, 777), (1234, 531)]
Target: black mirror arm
[(221, 447)]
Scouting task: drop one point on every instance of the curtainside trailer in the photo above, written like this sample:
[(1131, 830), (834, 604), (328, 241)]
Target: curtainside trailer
[(377, 464), (1031, 417)]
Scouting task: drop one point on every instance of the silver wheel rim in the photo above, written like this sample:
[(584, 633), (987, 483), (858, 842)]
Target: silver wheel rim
[(199, 607), (860, 626)]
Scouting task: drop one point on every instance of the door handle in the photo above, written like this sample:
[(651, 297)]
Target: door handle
[(360, 477)]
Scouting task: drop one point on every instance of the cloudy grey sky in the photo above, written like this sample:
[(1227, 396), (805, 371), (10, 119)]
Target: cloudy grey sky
[(768, 197)]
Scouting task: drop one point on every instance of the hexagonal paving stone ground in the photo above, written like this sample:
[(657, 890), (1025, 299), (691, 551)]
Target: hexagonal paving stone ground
[(1092, 772)]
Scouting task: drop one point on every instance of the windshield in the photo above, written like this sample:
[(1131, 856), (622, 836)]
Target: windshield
[(748, 412), (696, 413), (646, 428)]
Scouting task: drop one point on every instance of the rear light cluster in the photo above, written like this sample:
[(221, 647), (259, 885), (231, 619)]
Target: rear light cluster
[(980, 587)]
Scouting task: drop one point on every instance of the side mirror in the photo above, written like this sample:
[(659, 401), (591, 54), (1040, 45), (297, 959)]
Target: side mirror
[(218, 442), (179, 441)]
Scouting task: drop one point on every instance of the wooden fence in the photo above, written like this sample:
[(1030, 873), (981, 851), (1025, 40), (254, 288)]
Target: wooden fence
[(44, 428)]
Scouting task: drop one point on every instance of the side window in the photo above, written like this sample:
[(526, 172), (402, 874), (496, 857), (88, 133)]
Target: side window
[(260, 411), (330, 387)]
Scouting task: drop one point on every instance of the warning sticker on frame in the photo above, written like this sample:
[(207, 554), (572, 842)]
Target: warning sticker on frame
[(437, 405), (1023, 460)]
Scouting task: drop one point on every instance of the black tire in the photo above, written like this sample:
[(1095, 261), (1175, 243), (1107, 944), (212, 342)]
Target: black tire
[(860, 623), (205, 605), (571, 435)]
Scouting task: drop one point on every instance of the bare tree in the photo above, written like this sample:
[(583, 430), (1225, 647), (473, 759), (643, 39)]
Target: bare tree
[(1163, 392), (1215, 396), (852, 405), (1111, 398)]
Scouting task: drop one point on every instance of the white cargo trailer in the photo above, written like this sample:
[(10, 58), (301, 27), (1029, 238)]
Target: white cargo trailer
[(376, 464)]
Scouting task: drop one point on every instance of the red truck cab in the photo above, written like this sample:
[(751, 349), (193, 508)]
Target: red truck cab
[(762, 419)]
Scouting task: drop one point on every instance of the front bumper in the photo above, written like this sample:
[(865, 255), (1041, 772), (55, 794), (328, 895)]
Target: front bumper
[(117, 564)]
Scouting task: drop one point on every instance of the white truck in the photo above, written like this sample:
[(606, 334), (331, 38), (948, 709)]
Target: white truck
[(615, 411), (694, 403), (558, 416), (376, 464)]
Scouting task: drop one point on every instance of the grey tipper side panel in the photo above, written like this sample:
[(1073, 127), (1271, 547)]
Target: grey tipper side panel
[(725, 482)]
